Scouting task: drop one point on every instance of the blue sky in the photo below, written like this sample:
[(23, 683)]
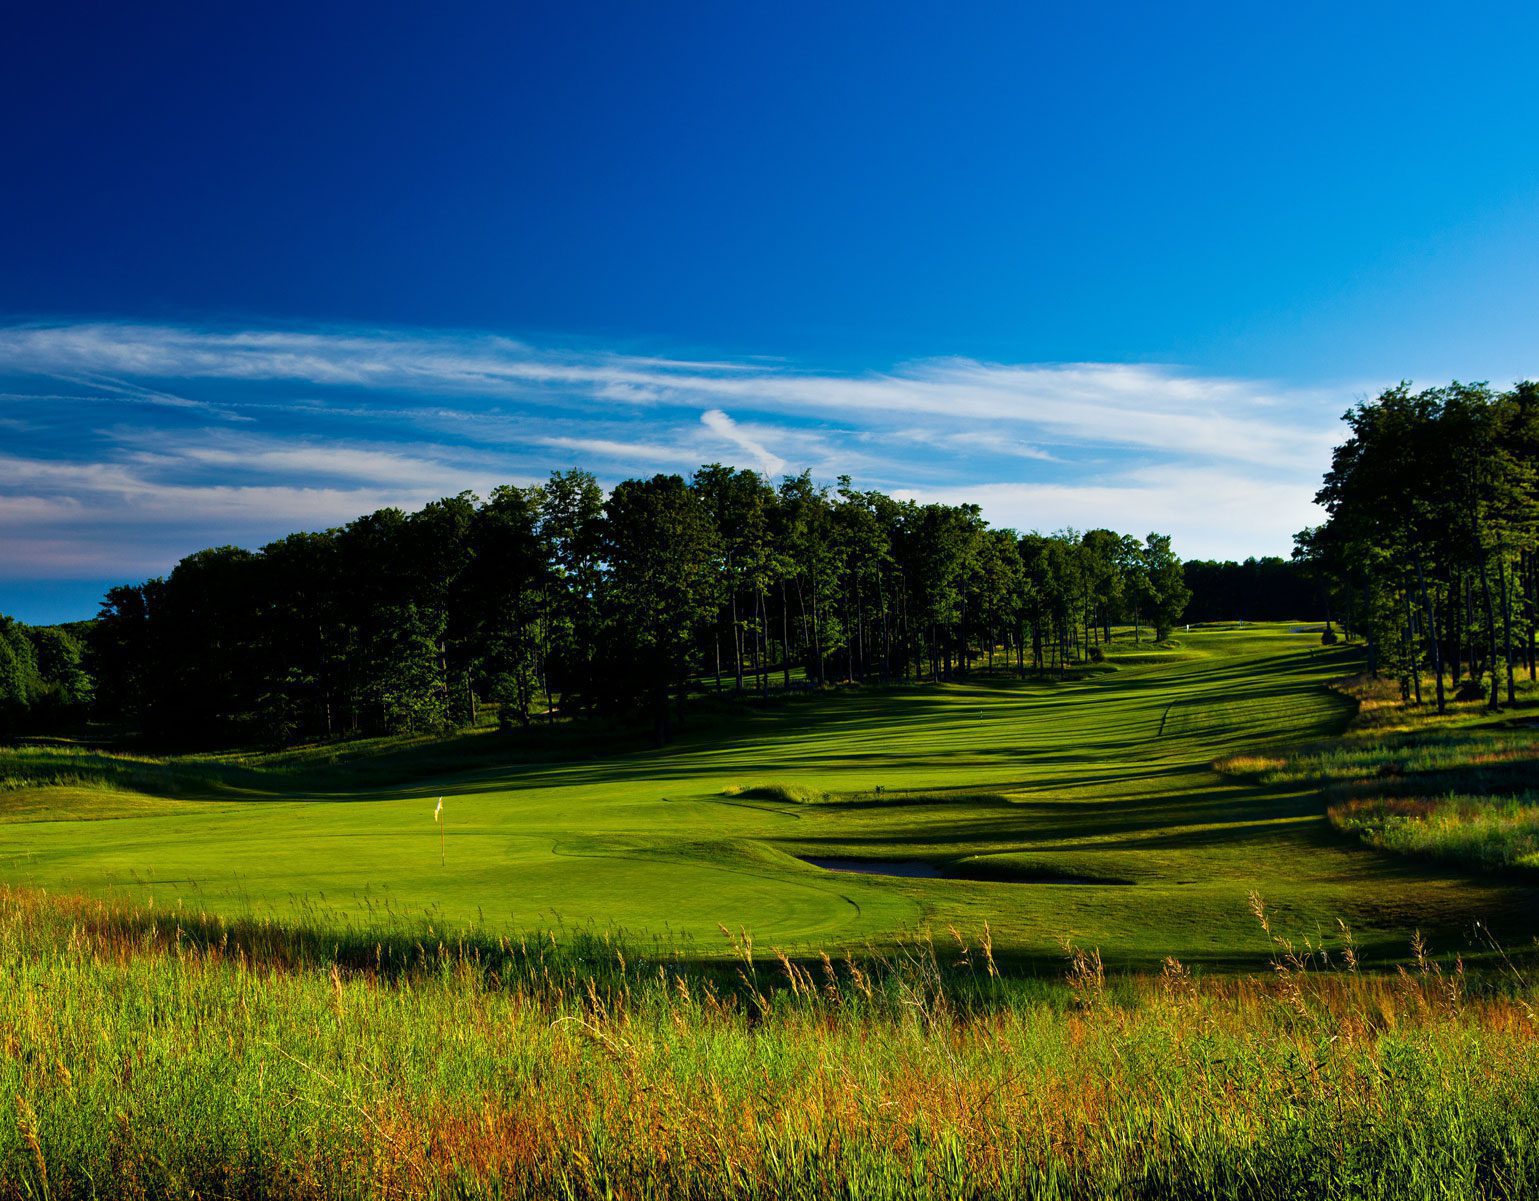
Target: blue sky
[(267, 268)]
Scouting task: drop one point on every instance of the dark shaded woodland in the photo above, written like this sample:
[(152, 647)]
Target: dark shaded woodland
[(558, 599)]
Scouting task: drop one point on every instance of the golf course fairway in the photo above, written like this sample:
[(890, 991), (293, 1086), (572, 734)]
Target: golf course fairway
[(1087, 809)]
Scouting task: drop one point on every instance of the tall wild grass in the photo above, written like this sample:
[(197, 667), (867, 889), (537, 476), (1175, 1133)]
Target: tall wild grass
[(163, 1053), (1460, 788)]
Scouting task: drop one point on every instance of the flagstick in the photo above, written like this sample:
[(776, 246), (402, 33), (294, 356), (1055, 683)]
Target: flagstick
[(442, 821)]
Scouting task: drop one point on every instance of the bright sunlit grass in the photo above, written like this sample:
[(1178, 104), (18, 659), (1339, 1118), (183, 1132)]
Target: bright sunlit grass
[(1086, 808)]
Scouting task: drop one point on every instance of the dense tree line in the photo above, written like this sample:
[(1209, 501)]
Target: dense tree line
[(1266, 589), (1430, 546), (558, 598), (44, 684)]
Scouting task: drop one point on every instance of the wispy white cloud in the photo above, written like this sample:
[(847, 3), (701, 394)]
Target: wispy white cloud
[(236, 455), (730, 432), (1106, 404), (1133, 405), (988, 440), (245, 434), (1217, 513), (658, 454)]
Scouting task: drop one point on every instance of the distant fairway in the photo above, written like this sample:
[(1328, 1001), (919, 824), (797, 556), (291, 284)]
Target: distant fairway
[(1086, 809)]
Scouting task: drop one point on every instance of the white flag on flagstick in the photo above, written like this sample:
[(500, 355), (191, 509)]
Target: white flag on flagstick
[(438, 814)]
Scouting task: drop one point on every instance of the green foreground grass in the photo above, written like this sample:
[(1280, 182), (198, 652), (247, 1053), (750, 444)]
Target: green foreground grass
[(1086, 809), (147, 1053)]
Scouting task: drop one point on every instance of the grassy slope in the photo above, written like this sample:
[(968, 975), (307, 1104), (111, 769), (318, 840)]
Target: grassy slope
[(1106, 778), (1456, 788)]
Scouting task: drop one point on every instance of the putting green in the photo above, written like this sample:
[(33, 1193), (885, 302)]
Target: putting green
[(1085, 809)]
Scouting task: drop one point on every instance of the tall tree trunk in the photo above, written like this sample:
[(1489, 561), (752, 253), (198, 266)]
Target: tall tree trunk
[(785, 635), (737, 644), (1533, 615), (817, 631), (761, 641), (1501, 563), (1469, 624), (1369, 628), (850, 641), (1490, 606), (1432, 638), (881, 600), (802, 617), (862, 638), (1451, 620), (1413, 668)]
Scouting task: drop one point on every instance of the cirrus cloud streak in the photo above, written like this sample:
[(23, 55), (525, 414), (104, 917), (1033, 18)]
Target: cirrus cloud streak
[(126, 445)]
